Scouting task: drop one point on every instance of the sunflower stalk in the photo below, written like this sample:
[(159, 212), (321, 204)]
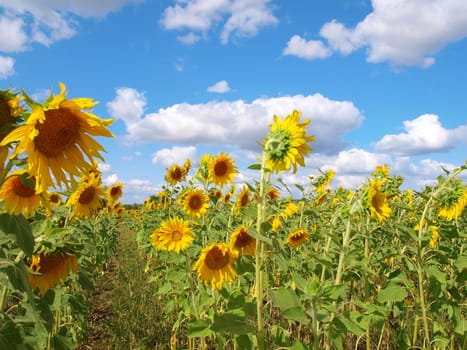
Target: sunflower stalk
[(264, 178)]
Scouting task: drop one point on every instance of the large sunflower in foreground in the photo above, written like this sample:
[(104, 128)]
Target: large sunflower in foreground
[(377, 201), (56, 137), (50, 270), (287, 143), (215, 265), (222, 169), (173, 235), (296, 238), (195, 202), (18, 195), (86, 200), (242, 241)]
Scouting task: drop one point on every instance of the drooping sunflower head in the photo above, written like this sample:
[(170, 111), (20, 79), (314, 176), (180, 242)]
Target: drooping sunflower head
[(203, 168), (175, 174), (215, 265), (222, 169), (273, 194), (173, 235), (242, 241), (376, 201), (86, 200), (296, 238), (50, 270), (115, 192), (196, 202), (187, 165), (323, 181), (452, 200), (57, 137), (18, 194), (243, 198), (286, 144)]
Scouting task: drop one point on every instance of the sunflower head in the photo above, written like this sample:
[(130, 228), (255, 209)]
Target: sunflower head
[(323, 181), (296, 238), (54, 198), (242, 241), (215, 265), (287, 143), (376, 201), (18, 194), (115, 192), (50, 269), (86, 200), (173, 235), (175, 174), (222, 169), (452, 200), (195, 202), (58, 139)]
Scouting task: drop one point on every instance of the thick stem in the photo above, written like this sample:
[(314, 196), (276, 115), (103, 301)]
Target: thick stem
[(259, 255)]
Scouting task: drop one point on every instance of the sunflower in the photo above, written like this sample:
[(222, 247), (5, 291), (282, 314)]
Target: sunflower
[(115, 192), (434, 241), (215, 265), (286, 143), (173, 235), (323, 181), (10, 109), (51, 270), (18, 195), (195, 202), (203, 168), (290, 209), (54, 199), (296, 238), (222, 169), (377, 201), (243, 198), (242, 241), (56, 137), (86, 200), (175, 174), (273, 194), (453, 200)]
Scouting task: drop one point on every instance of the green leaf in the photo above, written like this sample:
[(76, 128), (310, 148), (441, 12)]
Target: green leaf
[(343, 324), (288, 302), (232, 321), (436, 273), (392, 292), (199, 328), (461, 263), (297, 346), (18, 226), (255, 167)]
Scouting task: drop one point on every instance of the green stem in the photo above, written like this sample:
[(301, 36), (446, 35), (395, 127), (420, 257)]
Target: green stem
[(259, 255)]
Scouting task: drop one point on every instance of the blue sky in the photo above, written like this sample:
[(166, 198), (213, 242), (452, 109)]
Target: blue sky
[(383, 81)]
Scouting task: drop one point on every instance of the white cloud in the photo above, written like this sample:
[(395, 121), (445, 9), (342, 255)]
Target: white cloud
[(424, 134), (356, 161), (137, 190), (402, 32), (47, 21), (312, 49), (244, 18), (220, 87), (12, 35), (128, 105), (110, 180), (175, 155), (104, 168), (240, 124), (6, 66)]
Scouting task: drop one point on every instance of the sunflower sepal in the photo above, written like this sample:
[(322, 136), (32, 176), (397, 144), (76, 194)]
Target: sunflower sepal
[(29, 101)]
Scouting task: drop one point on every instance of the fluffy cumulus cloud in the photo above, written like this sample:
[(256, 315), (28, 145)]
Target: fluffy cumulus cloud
[(311, 49), (220, 87), (45, 22), (401, 32), (128, 105), (175, 155), (239, 18), (424, 134), (236, 123)]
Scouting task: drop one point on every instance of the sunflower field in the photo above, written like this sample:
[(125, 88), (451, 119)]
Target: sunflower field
[(229, 265)]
